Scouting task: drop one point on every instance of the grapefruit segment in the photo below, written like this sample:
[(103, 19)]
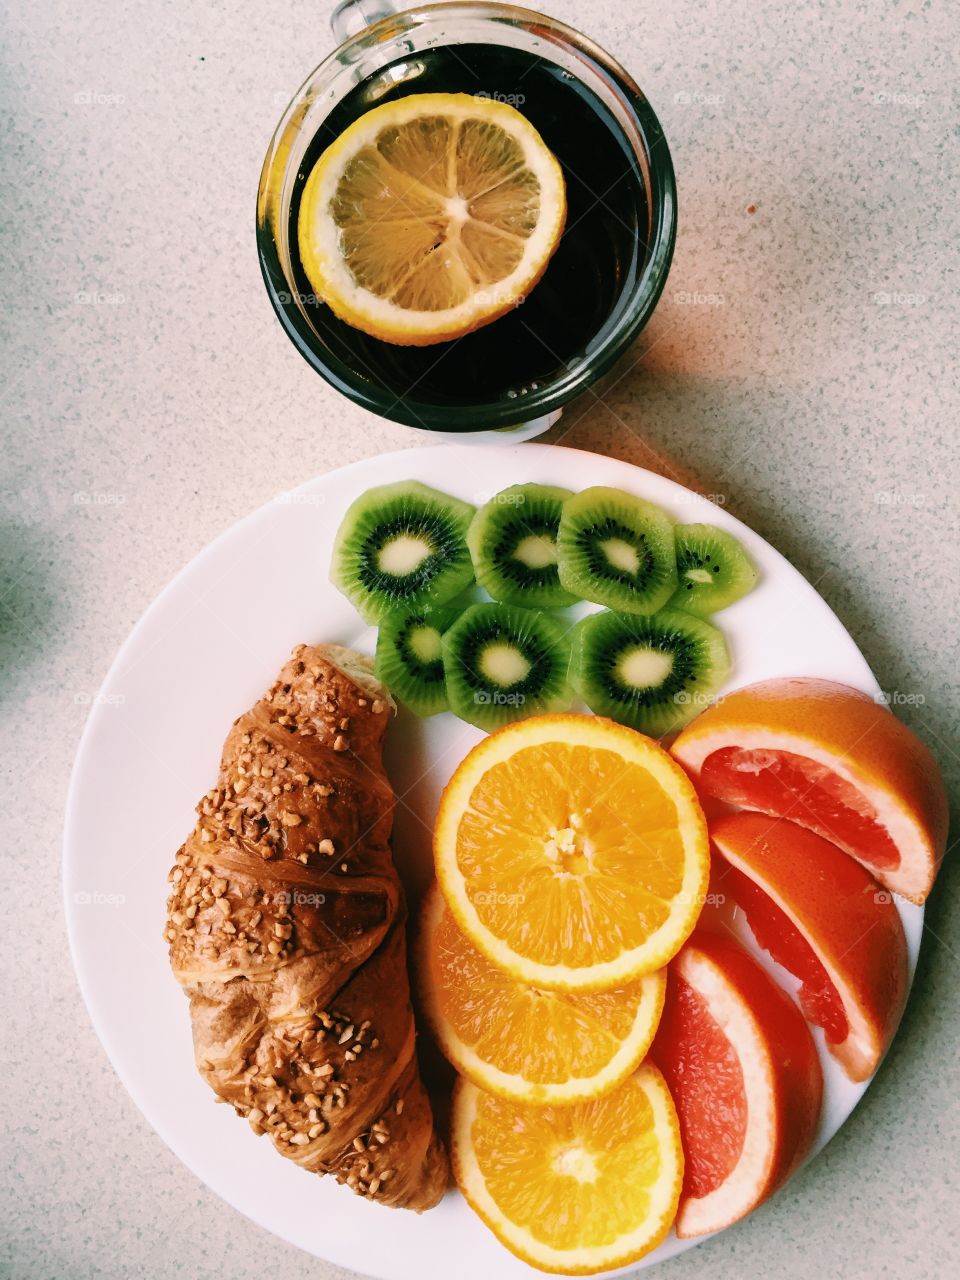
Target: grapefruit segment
[(745, 1077), (833, 760), (820, 915)]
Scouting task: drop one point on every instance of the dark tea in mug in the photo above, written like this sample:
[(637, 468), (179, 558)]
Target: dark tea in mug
[(599, 256)]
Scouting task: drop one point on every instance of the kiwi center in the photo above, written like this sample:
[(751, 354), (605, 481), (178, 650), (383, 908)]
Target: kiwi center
[(404, 554), (699, 575), (621, 555), (424, 644), (536, 551), (641, 668), (503, 663)]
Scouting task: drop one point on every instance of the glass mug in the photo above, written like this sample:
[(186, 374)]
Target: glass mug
[(515, 375)]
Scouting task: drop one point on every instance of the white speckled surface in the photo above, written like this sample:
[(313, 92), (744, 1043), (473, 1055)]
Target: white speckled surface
[(149, 399)]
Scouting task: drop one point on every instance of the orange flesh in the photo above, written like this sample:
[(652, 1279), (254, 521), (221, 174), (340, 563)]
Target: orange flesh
[(776, 933), (784, 784), (608, 891), (703, 1073), (548, 1037), (609, 1146)]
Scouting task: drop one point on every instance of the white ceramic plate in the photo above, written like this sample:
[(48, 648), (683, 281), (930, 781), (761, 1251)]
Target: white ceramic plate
[(204, 651)]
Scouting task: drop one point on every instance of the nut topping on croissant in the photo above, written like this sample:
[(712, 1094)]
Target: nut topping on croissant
[(286, 930)]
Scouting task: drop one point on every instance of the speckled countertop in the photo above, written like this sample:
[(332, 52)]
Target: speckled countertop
[(801, 366)]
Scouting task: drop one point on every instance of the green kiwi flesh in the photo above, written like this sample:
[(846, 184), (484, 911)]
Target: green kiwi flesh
[(409, 658), (513, 544), (713, 570), (617, 550), (503, 663), (651, 673), (402, 545)]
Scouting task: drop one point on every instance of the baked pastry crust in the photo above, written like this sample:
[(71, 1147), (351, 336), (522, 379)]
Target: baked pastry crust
[(286, 930)]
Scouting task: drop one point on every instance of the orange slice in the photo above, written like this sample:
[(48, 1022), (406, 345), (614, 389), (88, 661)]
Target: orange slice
[(744, 1073), (574, 1190), (820, 915), (431, 216), (831, 759), (522, 1042), (572, 852)]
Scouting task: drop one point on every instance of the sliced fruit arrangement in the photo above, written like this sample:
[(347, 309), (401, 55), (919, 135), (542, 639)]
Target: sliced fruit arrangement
[(576, 1189), (409, 657), (402, 545), (431, 216), (833, 760), (820, 915), (743, 1071), (522, 1042), (617, 550), (712, 568), (404, 550), (594, 829), (502, 663), (651, 673), (513, 542)]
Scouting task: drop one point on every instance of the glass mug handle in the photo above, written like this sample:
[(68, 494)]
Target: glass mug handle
[(351, 16), (347, 19)]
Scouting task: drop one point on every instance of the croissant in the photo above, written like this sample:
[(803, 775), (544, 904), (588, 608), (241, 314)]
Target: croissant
[(286, 930)]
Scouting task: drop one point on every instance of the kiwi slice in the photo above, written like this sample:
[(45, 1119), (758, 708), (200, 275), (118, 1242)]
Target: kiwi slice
[(409, 659), (513, 542), (503, 663), (617, 550), (401, 546), (712, 568), (652, 673)]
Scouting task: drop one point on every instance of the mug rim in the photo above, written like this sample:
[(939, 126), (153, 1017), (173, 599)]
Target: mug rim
[(500, 413)]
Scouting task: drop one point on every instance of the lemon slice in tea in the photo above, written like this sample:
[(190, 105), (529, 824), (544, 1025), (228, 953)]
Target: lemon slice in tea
[(430, 217)]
